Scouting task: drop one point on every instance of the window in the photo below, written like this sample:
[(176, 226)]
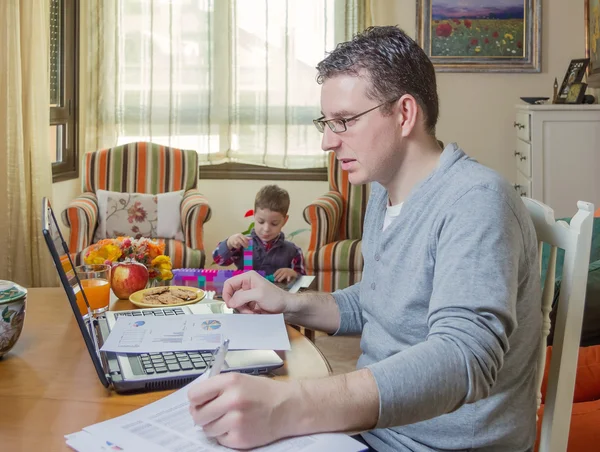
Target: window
[(234, 80), (63, 90)]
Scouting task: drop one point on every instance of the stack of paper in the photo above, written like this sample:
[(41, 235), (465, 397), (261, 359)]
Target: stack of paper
[(166, 425)]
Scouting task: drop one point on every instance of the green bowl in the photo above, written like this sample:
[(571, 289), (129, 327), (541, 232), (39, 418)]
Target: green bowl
[(12, 314)]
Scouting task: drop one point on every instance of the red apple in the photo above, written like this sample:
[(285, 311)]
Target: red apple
[(127, 278)]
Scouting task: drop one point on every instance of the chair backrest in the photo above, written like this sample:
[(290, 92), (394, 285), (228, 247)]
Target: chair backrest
[(575, 239), (355, 199), (140, 168)]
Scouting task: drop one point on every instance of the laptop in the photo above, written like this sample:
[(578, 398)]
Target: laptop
[(142, 372)]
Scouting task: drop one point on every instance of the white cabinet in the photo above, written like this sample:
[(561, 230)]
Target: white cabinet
[(557, 155)]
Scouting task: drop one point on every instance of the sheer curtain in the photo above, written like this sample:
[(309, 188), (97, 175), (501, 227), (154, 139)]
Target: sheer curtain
[(25, 163), (233, 79)]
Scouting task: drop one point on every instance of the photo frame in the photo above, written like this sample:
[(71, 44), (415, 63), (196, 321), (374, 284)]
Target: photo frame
[(481, 36), (574, 74), (592, 41), (576, 93)]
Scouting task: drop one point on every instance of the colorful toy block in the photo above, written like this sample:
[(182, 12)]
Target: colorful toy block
[(206, 278), (212, 279)]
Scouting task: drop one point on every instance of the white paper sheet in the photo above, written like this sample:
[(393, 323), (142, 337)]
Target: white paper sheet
[(197, 332), (85, 442), (166, 425)]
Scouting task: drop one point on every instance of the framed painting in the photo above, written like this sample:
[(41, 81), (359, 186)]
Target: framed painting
[(481, 35), (592, 41)]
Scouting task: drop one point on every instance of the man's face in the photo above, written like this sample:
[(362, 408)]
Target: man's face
[(367, 148), (268, 224)]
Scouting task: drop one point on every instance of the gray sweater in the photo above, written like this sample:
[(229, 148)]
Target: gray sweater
[(449, 311)]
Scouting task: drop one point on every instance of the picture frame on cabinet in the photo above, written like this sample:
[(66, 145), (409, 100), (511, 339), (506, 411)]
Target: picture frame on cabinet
[(481, 36), (592, 41), (574, 74), (576, 93)]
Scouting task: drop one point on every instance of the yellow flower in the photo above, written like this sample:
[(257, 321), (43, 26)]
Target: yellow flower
[(166, 275), (503, 41), (108, 252), (509, 36), (161, 261), (162, 264), (478, 49)]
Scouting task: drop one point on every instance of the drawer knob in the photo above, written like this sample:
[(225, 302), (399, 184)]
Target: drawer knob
[(518, 125), (516, 187), (523, 193), (523, 157), (517, 153)]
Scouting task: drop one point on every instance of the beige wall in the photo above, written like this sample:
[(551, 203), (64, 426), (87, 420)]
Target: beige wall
[(477, 109), (62, 194)]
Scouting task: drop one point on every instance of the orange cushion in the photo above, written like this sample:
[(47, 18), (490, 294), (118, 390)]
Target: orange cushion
[(584, 431), (587, 380), (597, 214)]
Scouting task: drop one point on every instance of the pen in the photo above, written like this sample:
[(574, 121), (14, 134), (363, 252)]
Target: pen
[(218, 359)]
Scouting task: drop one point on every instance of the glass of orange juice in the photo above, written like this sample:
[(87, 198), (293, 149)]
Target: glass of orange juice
[(95, 283)]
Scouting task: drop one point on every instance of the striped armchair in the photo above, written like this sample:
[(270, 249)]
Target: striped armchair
[(334, 254), (141, 168)]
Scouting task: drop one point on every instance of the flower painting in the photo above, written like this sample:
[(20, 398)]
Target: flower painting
[(481, 35), (592, 41)]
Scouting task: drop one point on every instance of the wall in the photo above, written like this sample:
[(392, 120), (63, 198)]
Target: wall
[(477, 109), (62, 194)]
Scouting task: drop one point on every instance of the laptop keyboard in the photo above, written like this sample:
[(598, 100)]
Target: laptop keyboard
[(158, 363), (155, 312), (175, 361)]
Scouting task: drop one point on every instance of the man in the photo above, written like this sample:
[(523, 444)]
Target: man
[(449, 302)]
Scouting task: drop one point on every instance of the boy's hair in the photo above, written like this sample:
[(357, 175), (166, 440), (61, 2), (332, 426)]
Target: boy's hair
[(394, 64), (273, 198)]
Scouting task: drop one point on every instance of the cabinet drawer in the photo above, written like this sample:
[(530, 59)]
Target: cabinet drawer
[(523, 185), (523, 157), (521, 125)]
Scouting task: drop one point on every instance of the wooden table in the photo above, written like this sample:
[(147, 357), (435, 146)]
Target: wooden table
[(49, 388)]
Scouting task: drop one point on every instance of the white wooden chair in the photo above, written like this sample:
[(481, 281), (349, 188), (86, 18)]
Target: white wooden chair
[(575, 238)]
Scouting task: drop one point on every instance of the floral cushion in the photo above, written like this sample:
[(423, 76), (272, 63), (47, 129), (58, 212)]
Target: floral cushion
[(139, 215), (131, 215)]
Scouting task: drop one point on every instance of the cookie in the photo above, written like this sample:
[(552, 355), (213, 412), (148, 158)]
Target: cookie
[(183, 294)]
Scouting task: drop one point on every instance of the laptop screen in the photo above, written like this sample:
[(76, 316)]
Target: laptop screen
[(70, 282)]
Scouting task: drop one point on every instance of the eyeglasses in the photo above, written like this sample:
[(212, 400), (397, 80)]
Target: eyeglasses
[(339, 125)]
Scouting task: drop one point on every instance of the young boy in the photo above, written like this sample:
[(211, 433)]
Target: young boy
[(271, 252)]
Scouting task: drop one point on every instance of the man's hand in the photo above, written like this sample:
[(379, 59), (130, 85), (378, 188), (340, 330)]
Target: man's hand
[(241, 411), (237, 241), (285, 274), (250, 293)]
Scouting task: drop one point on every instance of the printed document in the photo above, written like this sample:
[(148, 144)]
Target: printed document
[(151, 334), (167, 426)]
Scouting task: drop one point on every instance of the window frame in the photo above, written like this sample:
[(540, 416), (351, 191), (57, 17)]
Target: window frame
[(67, 113), (244, 171)]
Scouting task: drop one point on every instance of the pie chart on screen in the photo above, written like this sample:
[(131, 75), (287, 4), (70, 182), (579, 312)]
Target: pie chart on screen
[(210, 325)]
